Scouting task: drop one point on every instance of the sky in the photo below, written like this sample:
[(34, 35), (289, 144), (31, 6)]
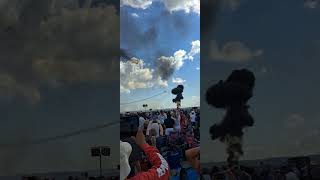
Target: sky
[(55, 79), (280, 43), (59, 71), (161, 43)]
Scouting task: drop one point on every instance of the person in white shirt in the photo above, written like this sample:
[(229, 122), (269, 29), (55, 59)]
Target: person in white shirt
[(154, 125), (193, 117), (176, 117)]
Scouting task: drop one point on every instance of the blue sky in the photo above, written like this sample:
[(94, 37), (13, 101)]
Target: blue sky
[(280, 43), (150, 33)]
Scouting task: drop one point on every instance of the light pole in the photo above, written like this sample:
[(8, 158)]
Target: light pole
[(100, 151)]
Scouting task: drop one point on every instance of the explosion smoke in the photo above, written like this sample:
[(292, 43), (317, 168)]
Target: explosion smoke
[(177, 91), (165, 68), (232, 95)]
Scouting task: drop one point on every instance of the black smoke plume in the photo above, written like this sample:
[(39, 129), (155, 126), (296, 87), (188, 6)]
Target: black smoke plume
[(232, 94), (178, 92)]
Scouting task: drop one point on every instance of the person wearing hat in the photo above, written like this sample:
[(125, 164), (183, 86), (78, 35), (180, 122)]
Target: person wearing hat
[(158, 171)]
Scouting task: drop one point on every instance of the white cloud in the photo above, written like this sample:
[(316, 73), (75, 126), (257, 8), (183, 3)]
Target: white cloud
[(179, 57), (187, 6), (233, 51), (178, 80), (295, 120), (198, 68), (195, 49), (139, 4), (311, 3), (183, 5), (134, 75), (135, 15)]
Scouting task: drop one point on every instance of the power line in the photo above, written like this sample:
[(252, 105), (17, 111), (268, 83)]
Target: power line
[(144, 98), (58, 137), (70, 134)]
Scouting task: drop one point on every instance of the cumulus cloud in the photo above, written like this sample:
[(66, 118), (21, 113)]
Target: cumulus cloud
[(134, 75), (183, 5), (41, 45), (139, 4), (195, 49), (295, 120), (178, 80), (311, 3), (233, 51), (177, 5)]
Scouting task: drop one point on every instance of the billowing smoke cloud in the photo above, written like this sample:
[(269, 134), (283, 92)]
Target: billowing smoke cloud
[(166, 66), (41, 45), (232, 95), (135, 74)]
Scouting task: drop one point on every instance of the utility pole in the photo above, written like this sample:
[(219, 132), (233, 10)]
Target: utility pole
[(100, 166)]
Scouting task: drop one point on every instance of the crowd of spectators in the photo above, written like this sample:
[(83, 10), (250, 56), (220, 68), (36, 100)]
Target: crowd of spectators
[(260, 172), (175, 133)]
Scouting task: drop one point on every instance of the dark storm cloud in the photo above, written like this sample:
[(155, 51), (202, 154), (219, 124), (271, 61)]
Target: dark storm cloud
[(55, 42)]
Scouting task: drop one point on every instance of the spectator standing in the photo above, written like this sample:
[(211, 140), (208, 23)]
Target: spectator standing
[(162, 117), (169, 124)]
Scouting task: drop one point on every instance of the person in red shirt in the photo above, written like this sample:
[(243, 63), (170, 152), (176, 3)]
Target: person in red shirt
[(158, 171)]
